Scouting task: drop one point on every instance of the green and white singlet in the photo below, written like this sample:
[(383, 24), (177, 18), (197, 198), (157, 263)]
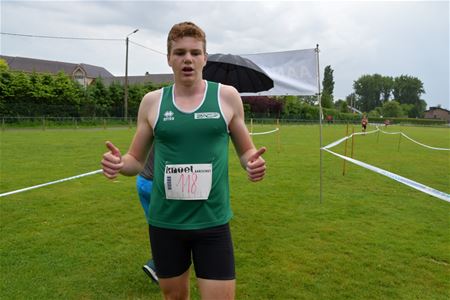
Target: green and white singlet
[(190, 187)]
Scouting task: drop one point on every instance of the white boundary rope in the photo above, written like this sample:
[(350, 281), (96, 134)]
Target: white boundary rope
[(266, 132), (401, 179), (414, 141), (411, 183), (89, 173), (49, 183)]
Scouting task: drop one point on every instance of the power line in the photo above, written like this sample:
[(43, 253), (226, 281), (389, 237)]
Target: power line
[(77, 38), (59, 37), (137, 44)]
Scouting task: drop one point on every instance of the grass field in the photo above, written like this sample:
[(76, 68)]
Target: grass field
[(370, 238)]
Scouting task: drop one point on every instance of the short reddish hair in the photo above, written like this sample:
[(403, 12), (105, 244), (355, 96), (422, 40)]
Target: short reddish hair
[(185, 29)]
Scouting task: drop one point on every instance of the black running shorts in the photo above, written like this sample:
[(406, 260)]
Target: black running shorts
[(211, 250)]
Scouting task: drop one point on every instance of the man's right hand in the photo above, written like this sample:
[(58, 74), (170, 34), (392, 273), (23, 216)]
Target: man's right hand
[(112, 161)]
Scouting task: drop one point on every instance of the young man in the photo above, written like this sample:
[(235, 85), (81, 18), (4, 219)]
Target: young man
[(189, 124)]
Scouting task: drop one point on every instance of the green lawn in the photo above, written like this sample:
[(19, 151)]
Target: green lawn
[(370, 238)]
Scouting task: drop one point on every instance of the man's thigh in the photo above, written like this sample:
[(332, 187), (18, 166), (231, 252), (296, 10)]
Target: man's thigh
[(213, 254)]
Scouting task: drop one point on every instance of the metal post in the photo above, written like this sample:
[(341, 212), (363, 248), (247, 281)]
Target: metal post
[(125, 99), (320, 121)]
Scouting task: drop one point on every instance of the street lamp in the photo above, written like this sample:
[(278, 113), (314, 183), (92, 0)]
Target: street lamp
[(125, 100)]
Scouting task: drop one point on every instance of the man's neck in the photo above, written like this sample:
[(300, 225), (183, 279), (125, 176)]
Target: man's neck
[(188, 97), (187, 90)]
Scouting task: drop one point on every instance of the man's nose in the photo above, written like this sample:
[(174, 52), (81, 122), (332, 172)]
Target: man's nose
[(187, 58)]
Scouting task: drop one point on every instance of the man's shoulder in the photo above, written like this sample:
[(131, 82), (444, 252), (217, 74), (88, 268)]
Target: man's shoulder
[(156, 94), (229, 93), (152, 98)]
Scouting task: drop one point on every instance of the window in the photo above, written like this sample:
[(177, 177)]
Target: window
[(80, 77)]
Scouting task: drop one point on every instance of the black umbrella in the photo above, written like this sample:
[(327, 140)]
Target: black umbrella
[(237, 71)]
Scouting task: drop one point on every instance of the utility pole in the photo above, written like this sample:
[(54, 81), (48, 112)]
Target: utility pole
[(125, 99)]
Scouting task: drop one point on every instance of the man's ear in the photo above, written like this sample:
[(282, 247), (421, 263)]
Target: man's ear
[(168, 60), (206, 58)]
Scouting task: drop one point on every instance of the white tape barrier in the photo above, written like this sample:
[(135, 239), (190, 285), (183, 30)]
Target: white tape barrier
[(411, 183), (90, 173), (346, 138), (49, 183), (401, 179), (266, 132), (423, 145)]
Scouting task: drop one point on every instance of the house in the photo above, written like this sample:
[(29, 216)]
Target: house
[(154, 78), (437, 113), (83, 73)]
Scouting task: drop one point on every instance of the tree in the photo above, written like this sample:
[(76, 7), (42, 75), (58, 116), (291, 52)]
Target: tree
[(408, 89), (264, 105), (351, 100), (67, 94), (367, 90), (392, 109), (97, 98), (386, 87), (3, 65), (341, 106), (311, 100), (326, 100), (376, 113), (18, 95), (115, 93), (372, 91), (418, 109), (328, 87), (291, 106)]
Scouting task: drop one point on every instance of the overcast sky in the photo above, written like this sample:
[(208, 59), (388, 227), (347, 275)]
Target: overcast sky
[(355, 38)]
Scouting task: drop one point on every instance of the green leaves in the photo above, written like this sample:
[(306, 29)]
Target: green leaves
[(376, 90), (36, 94)]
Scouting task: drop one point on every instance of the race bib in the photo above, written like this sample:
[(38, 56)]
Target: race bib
[(188, 181)]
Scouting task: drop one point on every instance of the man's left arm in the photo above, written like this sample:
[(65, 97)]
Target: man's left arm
[(250, 158)]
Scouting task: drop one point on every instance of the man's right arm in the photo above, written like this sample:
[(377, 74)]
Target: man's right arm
[(133, 161)]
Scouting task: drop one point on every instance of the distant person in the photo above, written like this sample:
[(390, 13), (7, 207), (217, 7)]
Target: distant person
[(329, 119), (144, 185), (386, 123), (190, 124), (364, 122)]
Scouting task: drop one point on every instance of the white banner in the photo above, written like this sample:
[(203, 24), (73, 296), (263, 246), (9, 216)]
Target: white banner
[(293, 72)]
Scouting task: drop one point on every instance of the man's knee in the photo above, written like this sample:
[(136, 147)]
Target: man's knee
[(175, 288), (217, 289)]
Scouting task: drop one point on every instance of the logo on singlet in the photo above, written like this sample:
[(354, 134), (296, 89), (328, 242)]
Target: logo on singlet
[(206, 115), (168, 116)]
